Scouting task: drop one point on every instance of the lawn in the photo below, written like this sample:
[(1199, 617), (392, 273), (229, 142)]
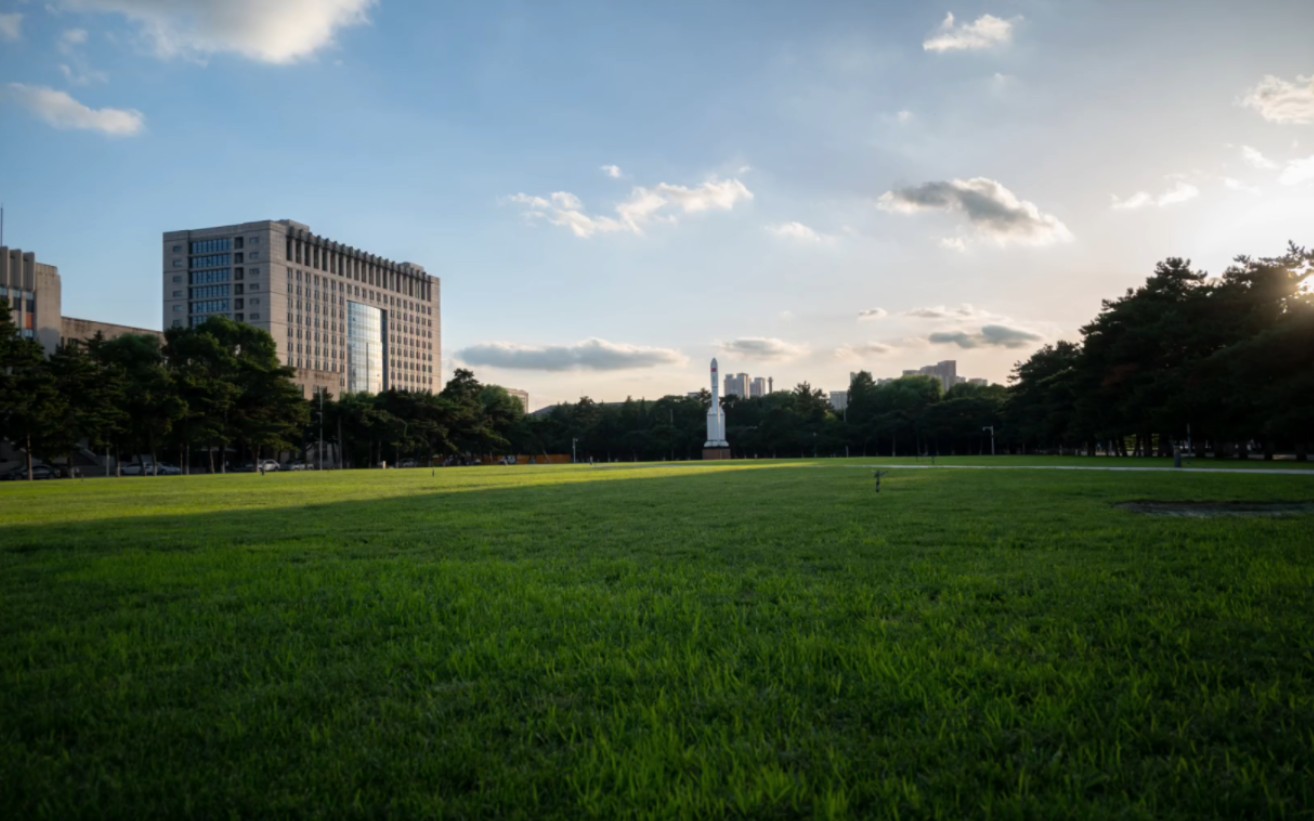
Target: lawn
[(750, 638)]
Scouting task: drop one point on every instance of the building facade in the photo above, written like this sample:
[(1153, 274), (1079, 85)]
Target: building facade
[(346, 320), (34, 294), (758, 388), (736, 384)]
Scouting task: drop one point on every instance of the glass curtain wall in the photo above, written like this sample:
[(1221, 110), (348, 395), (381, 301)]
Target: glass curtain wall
[(366, 349)]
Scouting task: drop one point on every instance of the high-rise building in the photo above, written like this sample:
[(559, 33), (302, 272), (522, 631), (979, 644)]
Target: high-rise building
[(946, 373), (736, 384), (346, 320), (33, 291), (758, 388), (839, 400)]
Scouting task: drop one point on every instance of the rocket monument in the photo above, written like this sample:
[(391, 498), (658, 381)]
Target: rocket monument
[(716, 447)]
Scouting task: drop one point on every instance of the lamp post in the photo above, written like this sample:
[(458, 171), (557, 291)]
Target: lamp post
[(991, 428), (573, 440)]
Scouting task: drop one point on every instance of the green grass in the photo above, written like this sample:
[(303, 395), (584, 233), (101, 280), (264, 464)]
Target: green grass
[(758, 639)]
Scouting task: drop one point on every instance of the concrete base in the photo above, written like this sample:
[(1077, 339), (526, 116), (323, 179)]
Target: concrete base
[(716, 453)]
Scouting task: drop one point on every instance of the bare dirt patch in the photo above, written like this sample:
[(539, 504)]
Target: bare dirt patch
[(1211, 510)]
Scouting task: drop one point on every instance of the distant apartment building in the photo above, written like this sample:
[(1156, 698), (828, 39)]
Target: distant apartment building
[(758, 388), (32, 290), (946, 373), (348, 321), (519, 395), (736, 385), (839, 400)]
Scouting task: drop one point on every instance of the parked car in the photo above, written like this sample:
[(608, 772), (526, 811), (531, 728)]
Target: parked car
[(38, 472), (295, 466), (267, 465), (407, 463)]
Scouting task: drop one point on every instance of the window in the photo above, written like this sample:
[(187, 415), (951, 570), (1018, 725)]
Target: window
[(238, 257), (253, 241), (178, 278), (177, 249), (255, 272), (239, 242), (177, 263), (177, 309), (255, 286), (238, 317), (253, 255), (255, 316), (177, 323), (177, 294), (238, 273)]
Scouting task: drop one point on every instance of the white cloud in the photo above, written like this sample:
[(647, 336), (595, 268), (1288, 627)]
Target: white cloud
[(862, 350), (81, 75), (872, 313), (989, 336), (1280, 101), (71, 38), (60, 110), (995, 212), (954, 244), (588, 355), (987, 31), (1255, 158), (11, 26), (1233, 184), (761, 348), (271, 32), (1180, 192), (962, 312), (799, 232), (612, 171), (1297, 171), (644, 206)]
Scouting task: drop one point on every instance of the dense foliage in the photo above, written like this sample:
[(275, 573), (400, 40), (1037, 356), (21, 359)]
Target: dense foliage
[(1225, 363)]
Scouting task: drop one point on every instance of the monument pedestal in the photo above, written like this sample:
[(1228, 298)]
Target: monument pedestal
[(716, 453)]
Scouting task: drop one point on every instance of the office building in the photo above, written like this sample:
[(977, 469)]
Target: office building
[(348, 321), (758, 388), (946, 373), (33, 291), (521, 396), (839, 400)]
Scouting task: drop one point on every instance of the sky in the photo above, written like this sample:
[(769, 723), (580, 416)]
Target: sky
[(614, 193)]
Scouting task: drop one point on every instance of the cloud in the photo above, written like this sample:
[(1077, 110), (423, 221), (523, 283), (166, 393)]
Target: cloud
[(989, 336), (612, 171), (644, 206), (588, 355), (799, 232), (1279, 101), (1255, 158), (1180, 192), (1297, 171), (1233, 184), (71, 38), (60, 110), (861, 350), (993, 211), (11, 27), (954, 244), (962, 312), (873, 313), (987, 31), (269, 32), (761, 348)]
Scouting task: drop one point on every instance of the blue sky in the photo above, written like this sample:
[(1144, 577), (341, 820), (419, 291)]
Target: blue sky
[(615, 192)]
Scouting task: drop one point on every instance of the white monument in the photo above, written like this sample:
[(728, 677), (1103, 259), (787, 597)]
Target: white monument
[(716, 447)]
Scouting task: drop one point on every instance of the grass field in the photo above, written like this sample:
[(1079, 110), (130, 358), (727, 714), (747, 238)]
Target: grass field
[(759, 639)]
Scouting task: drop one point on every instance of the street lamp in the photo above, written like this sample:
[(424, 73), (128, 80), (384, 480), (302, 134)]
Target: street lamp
[(573, 440), (991, 428)]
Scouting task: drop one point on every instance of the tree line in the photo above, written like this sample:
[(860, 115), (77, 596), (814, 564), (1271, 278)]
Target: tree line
[(1225, 363)]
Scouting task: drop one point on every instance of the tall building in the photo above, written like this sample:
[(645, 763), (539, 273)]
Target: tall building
[(945, 372), (736, 384), (839, 400), (34, 294), (758, 389), (348, 321)]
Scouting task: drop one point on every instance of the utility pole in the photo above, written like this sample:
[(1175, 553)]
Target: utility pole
[(319, 458), (991, 428)]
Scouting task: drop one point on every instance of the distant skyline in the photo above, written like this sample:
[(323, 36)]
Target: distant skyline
[(613, 193)]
